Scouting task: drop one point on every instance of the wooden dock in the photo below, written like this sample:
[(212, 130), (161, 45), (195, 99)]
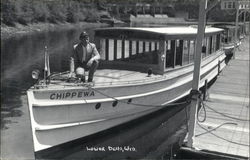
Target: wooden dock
[(226, 128)]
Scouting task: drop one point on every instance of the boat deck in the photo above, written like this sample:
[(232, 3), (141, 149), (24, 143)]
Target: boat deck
[(107, 77), (123, 76)]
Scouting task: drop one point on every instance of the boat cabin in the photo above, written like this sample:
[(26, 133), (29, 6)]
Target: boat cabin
[(157, 49)]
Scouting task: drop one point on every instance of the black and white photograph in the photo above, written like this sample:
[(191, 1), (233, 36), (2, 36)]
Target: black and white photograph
[(125, 79)]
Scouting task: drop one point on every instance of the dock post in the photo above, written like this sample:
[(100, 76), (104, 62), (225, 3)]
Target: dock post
[(219, 67), (205, 91), (196, 75), (236, 27)]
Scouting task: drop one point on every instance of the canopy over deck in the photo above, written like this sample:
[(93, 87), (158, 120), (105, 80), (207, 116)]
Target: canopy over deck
[(153, 33)]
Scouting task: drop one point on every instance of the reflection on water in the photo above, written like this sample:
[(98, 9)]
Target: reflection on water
[(21, 55)]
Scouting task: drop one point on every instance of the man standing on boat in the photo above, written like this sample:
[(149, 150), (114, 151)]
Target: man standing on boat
[(85, 57)]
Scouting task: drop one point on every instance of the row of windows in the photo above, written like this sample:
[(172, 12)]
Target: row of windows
[(178, 52), (112, 49), (181, 52)]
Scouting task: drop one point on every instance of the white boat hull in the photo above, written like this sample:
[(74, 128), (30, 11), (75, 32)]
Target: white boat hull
[(60, 116)]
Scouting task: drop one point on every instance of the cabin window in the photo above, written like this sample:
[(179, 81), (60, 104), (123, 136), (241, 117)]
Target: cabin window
[(157, 45), (153, 46), (111, 49), (186, 44), (170, 53), (140, 46), (191, 51), (126, 49), (210, 45), (146, 46), (225, 5), (231, 35), (229, 5), (217, 42), (133, 47), (213, 43), (207, 46), (119, 49), (203, 49), (179, 52), (102, 48), (233, 5)]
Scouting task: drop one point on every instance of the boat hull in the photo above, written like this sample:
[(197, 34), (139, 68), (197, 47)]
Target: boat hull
[(165, 127), (60, 116)]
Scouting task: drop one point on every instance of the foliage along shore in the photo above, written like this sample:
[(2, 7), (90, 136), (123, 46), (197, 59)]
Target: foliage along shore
[(20, 17), (21, 30)]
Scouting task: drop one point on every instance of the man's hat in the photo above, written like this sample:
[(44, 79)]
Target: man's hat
[(84, 34)]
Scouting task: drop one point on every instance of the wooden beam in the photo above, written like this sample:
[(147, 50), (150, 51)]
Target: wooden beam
[(196, 76)]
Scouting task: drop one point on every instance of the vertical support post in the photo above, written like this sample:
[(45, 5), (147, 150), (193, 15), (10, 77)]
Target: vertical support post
[(236, 27), (150, 46), (137, 47), (173, 53), (115, 49), (130, 49), (123, 49), (143, 47), (180, 50), (162, 57), (106, 49), (196, 76)]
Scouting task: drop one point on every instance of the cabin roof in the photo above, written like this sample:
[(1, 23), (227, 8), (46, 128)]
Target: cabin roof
[(159, 31), (165, 30)]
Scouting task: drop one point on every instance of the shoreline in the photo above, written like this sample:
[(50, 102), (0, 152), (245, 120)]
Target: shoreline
[(19, 30)]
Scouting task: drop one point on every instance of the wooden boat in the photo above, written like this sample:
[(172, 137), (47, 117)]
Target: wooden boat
[(228, 41), (142, 71)]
